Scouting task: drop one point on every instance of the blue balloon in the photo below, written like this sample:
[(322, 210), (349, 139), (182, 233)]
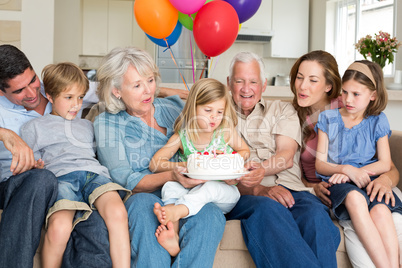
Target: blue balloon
[(171, 39)]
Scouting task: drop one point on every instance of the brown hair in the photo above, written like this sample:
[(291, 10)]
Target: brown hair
[(378, 105), (205, 91), (59, 77), (332, 77)]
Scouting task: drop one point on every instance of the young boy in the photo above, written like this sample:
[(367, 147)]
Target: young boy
[(65, 145)]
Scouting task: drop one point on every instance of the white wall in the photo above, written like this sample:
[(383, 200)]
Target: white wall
[(36, 18), (37, 32), (67, 31), (273, 66)]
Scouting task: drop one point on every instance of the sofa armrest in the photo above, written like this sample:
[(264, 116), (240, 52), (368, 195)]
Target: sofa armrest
[(395, 143)]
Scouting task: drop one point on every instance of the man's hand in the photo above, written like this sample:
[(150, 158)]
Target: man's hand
[(23, 158), (322, 192), (279, 194), (255, 175)]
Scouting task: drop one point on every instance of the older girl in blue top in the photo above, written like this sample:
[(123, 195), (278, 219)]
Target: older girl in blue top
[(348, 140)]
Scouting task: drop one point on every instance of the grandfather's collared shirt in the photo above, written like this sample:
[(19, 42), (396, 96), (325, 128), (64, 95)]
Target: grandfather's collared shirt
[(259, 130)]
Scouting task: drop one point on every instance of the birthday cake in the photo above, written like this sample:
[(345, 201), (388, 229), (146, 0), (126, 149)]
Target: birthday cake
[(215, 164)]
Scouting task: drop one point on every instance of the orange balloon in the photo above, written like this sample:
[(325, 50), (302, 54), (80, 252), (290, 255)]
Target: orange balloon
[(157, 18)]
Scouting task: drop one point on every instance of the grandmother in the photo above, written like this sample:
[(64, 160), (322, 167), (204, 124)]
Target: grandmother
[(134, 126)]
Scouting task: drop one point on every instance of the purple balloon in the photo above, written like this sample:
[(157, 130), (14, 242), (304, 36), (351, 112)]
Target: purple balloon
[(245, 8)]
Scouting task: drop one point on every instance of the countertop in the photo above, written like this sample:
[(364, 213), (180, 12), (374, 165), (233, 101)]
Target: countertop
[(283, 92)]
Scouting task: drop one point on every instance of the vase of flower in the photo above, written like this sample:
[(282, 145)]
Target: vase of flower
[(380, 48)]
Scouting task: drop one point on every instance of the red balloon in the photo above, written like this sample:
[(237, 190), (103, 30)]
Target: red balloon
[(215, 27)]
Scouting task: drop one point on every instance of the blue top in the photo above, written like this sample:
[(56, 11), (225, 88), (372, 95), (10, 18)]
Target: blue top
[(125, 144), (356, 146)]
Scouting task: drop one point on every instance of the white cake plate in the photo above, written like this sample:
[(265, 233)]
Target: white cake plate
[(215, 177)]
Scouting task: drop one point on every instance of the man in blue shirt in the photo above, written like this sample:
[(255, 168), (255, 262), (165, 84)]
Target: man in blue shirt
[(25, 193)]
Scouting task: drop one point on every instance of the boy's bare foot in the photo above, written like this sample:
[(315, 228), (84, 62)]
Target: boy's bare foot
[(168, 238), (170, 212)]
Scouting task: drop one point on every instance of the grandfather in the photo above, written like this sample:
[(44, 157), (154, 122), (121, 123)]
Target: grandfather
[(283, 223)]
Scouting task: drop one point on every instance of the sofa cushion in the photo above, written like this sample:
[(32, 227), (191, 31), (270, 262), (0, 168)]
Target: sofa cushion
[(233, 238)]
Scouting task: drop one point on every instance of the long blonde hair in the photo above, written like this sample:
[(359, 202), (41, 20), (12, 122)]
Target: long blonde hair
[(205, 91)]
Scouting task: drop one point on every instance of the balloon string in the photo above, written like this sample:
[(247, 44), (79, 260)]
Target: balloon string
[(172, 55), (192, 60), (191, 17), (210, 66), (216, 63), (203, 69)]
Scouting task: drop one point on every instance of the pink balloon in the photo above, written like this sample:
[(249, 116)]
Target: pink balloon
[(187, 6)]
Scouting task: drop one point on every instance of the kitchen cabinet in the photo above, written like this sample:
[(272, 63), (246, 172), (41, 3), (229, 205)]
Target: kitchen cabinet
[(94, 27), (290, 27), (106, 24), (290, 23)]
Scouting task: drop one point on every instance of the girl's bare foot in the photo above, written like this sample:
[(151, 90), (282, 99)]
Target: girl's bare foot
[(168, 238), (170, 212), (159, 212)]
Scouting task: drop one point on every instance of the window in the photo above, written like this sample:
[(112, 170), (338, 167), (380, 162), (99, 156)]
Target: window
[(355, 19)]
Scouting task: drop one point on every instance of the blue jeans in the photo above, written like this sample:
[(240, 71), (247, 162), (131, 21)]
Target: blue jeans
[(88, 245), (25, 200), (199, 235), (303, 236), (199, 238), (79, 185)]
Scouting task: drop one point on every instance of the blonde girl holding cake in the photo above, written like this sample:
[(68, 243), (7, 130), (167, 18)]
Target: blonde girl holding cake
[(206, 126)]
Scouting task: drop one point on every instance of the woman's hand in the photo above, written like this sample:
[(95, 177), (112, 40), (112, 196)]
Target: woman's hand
[(255, 175), (381, 187), (322, 192), (187, 182)]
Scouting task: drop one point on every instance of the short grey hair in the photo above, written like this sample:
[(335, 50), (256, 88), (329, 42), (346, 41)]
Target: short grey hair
[(247, 57), (112, 69)]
